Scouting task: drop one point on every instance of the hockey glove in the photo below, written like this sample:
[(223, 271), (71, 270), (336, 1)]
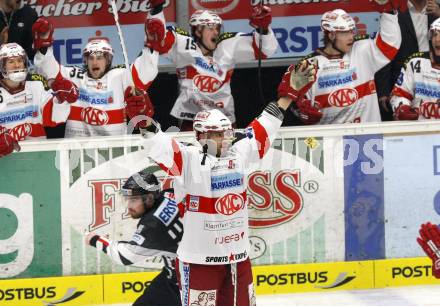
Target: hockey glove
[(65, 90), (138, 105), (298, 80), (42, 33), (7, 143), (307, 112), (261, 17), (156, 3), (157, 38), (405, 112), (429, 240), (385, 6)]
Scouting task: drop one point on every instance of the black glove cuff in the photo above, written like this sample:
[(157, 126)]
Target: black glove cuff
[(157, 9), (276, 111), (94, 240)]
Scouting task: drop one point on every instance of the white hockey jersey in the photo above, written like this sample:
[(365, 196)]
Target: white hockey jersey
[(205, 82), (25, 113), (418, 86), (215, 207), (345, 86), (100, 108)]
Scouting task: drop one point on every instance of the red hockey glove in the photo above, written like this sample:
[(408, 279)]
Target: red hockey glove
[(65, 90), (42, 33), (156, 3), (156, 38), (297, 80), (261, 17), (138, 105), (384, 6), (307, 112), (429, 240), (7, 144), (405, 112)]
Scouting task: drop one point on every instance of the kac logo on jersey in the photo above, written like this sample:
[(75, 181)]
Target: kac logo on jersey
[(21, 131), (229, 204), (193, 203), (94, 116), (343, 97), (430, 110), (207, 84)]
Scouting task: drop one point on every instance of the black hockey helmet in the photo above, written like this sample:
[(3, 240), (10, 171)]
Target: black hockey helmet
[(141, 183)]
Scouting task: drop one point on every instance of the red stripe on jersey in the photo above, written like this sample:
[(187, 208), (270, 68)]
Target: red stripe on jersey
[(261, 137), (191, 72), (204, 204), (115, 116), (397, 91), (387, 50), (47, 114), (137, 80), (365, 89), (176, 168), (37, 130), (257, 50)]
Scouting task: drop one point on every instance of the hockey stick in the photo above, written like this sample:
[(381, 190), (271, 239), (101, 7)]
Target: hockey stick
[(260, 54), (121, 36)]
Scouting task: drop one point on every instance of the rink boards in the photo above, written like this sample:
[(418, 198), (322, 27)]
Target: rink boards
[(125, 288)]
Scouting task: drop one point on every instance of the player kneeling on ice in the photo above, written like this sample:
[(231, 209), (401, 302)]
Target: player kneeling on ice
[(429, 240), (344, 91), (416, 93), (212, 179), (100, 109), (26, 107), (158, 232)]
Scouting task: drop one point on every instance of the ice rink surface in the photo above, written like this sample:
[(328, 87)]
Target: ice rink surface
[(401, 296)]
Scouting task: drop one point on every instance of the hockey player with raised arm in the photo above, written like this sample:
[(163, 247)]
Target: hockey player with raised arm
[(26, 107), (429, 240), (205, 59), (344, 91), (416, 94), (158, 232), (213, 256), (100, 109)]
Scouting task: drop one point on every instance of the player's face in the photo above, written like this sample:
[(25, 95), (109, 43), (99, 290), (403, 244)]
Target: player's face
[(96, 64), (14, 63), (344, 40), (209, 35), (435, 38), (135, 206), (218, 139)]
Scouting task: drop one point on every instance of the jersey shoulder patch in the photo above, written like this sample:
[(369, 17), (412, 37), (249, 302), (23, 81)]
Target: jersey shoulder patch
[(227, 35), (117, 67), (38, 77), (414, 56), (167, 210), (308, 56), (361, 37), (179, 31)]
